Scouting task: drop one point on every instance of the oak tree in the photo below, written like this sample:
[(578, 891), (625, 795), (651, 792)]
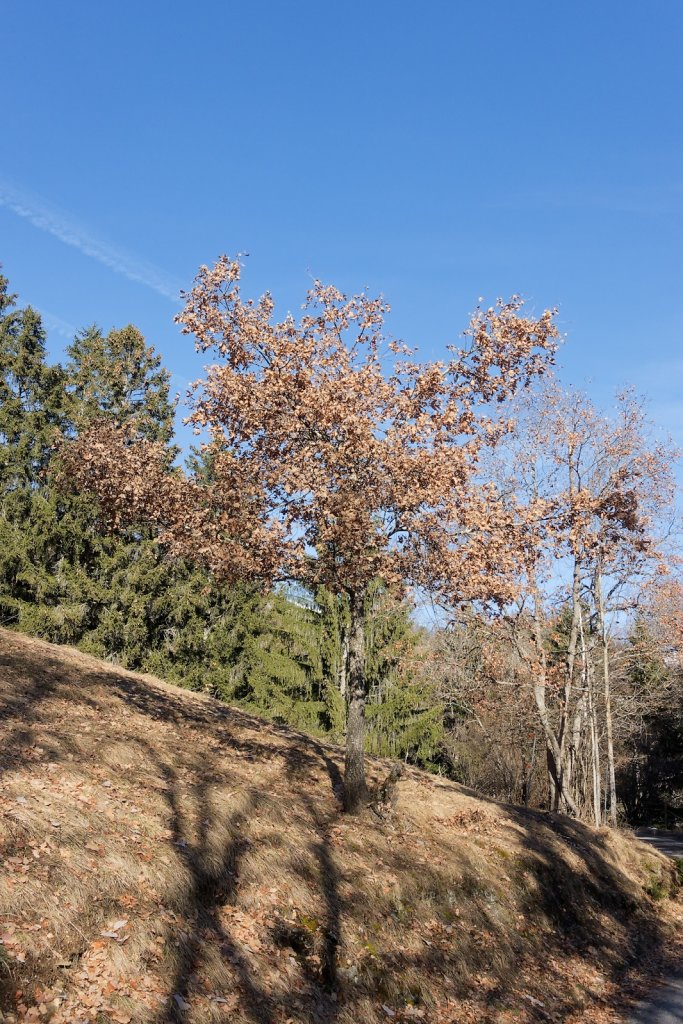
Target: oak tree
[(338, 459)]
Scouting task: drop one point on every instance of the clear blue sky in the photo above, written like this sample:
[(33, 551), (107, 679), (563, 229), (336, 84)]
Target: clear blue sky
[(436, 152)]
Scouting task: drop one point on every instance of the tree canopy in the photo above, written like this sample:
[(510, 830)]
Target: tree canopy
[(337, 459)]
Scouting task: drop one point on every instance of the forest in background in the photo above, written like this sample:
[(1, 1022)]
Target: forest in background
[(571, 698)]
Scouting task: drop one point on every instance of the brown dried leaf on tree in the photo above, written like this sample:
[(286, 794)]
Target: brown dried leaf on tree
[(334, 457)]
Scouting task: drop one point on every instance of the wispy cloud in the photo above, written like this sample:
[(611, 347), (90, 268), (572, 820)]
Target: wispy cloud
[(59, 326), (45, 217)]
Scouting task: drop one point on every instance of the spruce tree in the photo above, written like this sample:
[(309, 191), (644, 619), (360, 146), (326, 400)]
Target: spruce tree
[(404, 717), (116, 377), (31, 414), (119, 377), (31, 397), (61, 576), (284, 675)]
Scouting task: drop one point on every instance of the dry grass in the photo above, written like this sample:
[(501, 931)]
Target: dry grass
[(167, 858)]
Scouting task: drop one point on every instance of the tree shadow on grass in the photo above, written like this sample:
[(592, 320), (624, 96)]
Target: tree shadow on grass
[(572, 904), (28, 682), (212, 875), (212, 886), (591, 909)]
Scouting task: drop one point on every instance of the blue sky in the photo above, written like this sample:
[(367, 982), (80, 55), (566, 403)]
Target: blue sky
[(436, 152)]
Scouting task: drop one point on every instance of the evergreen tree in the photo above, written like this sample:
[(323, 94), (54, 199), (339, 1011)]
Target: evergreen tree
[(119, 377), (335, 623), (405, 719), (63, 577), (283, 676), (31, 414), (31, 397), (120, 579)]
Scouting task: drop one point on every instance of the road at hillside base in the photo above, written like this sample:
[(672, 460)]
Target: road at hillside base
[(669, 843), (665, 1004)]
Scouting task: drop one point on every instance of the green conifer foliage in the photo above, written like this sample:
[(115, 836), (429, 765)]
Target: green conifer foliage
[(122, 579), (118, 376), (65, 578), (405, 719), (651, 772), (31, 397), (61, 577), (201, 639), (284, 675), (335, 621), (31, 414)]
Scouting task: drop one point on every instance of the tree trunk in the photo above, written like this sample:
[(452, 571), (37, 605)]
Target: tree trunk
[(571, 731), (528, 774), (561, 798), (611, 774), (355, 786), (595, 749), (574, 752), (588, 681)]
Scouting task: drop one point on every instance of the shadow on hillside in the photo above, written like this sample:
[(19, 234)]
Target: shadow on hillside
[(19, 707), (30, 678), (213, 881), (212, 886), (584, 911)]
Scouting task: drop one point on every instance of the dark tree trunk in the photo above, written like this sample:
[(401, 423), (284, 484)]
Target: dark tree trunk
[(355, 786)]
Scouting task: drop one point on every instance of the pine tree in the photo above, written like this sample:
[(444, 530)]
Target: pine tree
[(118, 377), (31, 414), (404, 717), (31, 406)]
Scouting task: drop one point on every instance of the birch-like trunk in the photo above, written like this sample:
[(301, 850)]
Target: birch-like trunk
[(609, 727), (561, 797), (588, 682), (570, 737)]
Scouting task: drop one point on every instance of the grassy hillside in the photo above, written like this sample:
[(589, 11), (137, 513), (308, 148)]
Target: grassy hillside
[(166, 858)]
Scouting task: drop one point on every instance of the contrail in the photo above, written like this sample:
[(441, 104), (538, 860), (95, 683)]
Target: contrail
[(46, 218), (59, 326)]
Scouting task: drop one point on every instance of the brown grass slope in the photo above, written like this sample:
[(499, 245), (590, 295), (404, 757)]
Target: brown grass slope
[(167, 858)]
